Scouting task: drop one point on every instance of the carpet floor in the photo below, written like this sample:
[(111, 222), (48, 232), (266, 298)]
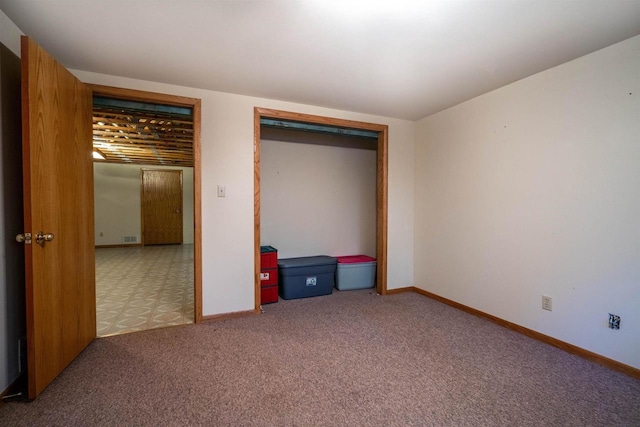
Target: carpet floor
[(349, 359)]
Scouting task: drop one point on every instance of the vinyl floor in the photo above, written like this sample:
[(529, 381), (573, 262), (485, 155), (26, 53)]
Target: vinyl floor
[(142, 288)]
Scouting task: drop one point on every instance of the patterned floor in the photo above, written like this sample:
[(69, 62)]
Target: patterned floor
[(143, 288)]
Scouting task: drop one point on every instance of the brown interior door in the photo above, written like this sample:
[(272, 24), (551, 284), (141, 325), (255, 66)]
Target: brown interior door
[(58, 199), (161, 207)]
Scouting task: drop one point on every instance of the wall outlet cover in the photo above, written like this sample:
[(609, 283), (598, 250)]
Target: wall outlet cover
[(614, 321)]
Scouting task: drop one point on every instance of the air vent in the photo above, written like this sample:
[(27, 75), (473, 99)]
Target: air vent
[(130, 239)]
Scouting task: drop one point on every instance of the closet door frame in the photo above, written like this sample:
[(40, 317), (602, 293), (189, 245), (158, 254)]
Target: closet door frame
[(381, 186)]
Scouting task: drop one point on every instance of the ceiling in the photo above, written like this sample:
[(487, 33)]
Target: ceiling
[(122, 134), (399, 58)]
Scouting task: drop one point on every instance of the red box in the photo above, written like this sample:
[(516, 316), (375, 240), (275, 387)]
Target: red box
[(268, 257), (268, 274), (269, 277), (268, 294)]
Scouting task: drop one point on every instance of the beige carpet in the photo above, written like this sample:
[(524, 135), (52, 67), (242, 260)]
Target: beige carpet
[(142, 288), (348, 359)]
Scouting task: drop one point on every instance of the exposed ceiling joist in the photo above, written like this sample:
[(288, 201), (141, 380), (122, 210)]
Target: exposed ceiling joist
[(138, 134)]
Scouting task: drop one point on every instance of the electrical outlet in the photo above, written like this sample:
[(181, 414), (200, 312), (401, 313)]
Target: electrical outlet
[(222, 192), (614, 321), (546, 302)]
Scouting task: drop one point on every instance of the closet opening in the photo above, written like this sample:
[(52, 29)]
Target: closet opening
[(358, 145)]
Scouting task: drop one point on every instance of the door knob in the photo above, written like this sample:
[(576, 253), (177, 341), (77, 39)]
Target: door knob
[(42, 237)]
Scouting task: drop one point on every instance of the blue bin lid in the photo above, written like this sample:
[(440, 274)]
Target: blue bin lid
[(306, 261), (264, 249)]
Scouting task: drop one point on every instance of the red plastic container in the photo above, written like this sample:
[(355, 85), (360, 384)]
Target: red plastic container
[(269, 277), (268, 257), (268, 274), (269, 294)]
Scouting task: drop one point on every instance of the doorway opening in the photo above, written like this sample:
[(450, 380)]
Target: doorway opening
[(147, 205), (344, 127)]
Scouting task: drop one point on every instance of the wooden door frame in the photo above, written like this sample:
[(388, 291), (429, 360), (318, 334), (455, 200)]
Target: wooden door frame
[(142, 193), (381, 186), (195, 105)]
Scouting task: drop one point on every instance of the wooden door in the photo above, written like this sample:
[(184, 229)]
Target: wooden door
[(58, 199), (161, 207)]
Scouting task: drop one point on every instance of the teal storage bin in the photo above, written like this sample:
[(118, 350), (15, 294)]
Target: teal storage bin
[(355, 272)]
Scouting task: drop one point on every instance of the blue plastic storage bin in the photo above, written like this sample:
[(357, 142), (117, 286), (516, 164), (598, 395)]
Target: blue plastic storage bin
[(306, 276)]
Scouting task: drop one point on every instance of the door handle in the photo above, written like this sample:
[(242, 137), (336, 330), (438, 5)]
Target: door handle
[(42, 237)]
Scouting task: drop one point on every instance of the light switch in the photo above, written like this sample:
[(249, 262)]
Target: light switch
[(221, 191)]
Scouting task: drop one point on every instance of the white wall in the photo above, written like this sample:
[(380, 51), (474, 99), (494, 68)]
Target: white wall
[(317, 199), (9, 34), (227, 159), (535, 189), (117, 202)]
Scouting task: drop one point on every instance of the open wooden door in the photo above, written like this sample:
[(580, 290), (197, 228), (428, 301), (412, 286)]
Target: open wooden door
[(58, 211)]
